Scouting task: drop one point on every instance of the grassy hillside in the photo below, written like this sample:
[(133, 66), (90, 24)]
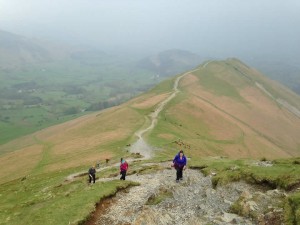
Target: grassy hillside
[(219, 110), (225, 112), (222, 109), (36, 96)]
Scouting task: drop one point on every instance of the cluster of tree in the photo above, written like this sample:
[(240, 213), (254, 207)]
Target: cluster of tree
[(71, 110), (102, 105), (73, 90)]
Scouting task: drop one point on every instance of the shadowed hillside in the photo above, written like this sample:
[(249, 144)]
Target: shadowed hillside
[(223, 108)]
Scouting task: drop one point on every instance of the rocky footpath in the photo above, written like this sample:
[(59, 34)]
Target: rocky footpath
[(191, 201)]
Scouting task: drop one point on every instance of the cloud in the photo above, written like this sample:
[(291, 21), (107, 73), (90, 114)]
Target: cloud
[(219, 27)]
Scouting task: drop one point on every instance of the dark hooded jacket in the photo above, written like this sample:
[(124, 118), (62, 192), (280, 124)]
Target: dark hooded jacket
[(179, 163)]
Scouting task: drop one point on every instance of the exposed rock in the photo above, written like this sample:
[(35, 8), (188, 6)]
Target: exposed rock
[(264, 208), (263, 163), (194, 201), (229, 217)]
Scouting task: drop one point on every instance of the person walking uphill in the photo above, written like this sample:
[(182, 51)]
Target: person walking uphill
[(179, 163), (123, 169), (92, 174)]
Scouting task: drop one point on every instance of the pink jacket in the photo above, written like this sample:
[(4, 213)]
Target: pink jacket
[(124, 166)]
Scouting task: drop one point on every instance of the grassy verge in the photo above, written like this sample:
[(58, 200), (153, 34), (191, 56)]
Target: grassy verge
[(159, 197), (283, 174), (292, 209), (47, 199)]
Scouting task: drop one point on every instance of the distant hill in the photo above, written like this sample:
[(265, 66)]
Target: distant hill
[(224, 108), (170, 62), (16, 50)]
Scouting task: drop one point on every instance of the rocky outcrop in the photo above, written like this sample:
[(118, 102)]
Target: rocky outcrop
[(263, 208)]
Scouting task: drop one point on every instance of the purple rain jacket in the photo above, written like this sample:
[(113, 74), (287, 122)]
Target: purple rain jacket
[(179, 163)]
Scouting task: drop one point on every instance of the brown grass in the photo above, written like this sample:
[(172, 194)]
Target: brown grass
[(19, 163), (145, 103), (266, 130), (82, 141), (80, 159)]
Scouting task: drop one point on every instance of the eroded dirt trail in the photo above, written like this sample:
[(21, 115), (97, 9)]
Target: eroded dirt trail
[(192, 201), (141, 146)]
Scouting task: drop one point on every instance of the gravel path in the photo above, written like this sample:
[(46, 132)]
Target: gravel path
[(192, 201), (141, 146)]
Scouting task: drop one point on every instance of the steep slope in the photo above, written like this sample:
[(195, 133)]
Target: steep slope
[(230, 109), (224, 108)]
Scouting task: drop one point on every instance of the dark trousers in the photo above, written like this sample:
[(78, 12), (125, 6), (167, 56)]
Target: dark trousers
[(92, 178), (123, 175), (179, 173)]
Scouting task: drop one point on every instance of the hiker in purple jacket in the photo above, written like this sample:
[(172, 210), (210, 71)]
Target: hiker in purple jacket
[(179, 163)]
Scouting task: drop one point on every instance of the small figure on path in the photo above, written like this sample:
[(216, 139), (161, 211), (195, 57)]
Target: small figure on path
[(179, 163), (123, 169), (92, 175)]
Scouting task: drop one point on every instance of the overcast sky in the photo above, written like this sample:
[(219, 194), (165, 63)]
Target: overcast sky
[(216, 28)]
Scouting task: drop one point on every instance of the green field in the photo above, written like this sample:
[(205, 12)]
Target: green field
[(33, 97)]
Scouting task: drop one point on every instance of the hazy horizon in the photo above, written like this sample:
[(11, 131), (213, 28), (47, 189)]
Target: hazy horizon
[(210, 28)]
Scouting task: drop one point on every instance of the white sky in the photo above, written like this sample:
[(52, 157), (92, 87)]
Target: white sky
[(214, 27)]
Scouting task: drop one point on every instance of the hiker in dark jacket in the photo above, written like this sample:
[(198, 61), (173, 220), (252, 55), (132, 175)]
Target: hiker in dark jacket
[(179, 163), (92, 174), (123, 169)]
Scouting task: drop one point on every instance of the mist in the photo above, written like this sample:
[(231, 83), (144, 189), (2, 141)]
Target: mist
[(211, 28)]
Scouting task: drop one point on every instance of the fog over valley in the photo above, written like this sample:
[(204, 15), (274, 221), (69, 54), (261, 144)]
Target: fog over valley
[(60, 59), (218, 29)]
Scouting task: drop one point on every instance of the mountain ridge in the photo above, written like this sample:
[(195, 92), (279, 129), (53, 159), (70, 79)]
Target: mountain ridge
[(217, 112)]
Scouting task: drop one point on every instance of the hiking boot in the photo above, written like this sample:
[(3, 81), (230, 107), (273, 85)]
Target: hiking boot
[(177, 181)]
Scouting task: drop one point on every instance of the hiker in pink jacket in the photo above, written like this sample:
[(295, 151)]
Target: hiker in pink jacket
[(123, 169)]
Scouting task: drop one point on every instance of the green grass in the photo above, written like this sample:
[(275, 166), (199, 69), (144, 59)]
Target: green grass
[(157, 198), (292, 209), (47, 199), (283, 174), (218, 86), (28, 120), (64, 90)]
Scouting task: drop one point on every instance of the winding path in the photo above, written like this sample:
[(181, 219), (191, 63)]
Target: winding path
[(140, 146), (192, 201)]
